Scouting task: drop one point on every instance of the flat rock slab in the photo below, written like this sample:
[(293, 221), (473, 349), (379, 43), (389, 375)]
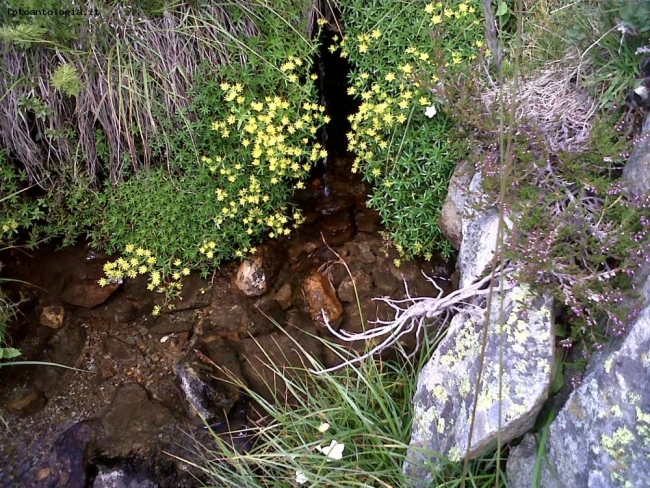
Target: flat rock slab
[(446, 387), (601, 437)]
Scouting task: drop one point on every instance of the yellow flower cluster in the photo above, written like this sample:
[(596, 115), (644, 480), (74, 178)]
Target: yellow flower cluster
[(9, 225), (274, 137), (385, 105), (467, 14), (140, 261), (439, 11)]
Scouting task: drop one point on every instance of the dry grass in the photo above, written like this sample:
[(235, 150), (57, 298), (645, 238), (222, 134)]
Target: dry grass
[(552, 101), (133, 70)]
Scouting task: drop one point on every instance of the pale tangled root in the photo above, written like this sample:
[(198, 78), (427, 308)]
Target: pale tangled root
[(552, 102)]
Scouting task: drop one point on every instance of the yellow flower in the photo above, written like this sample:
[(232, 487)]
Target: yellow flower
[(129, 248), (363, 48), (463, 7), (300, 185), (177, 262), (429, 8), (376, 172), (321, 22), (176, 276), (436, 19), (390, 77), (151, 260), (156, 311), (103, 282), (424, 101), (479, 44), (313, 76), (142, 269), (185, 271)]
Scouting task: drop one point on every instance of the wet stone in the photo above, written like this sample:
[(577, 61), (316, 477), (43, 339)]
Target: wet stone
[(338, 228), (279, 350), (321, 299), (26, 401), (87, 293), (131, 423), (206, 396), (66, 345), (194, 294), (169, 323), (52, 316), (228, 320), (367, 219), (361, 280), (72, 449), (283, 296), (118, 350)]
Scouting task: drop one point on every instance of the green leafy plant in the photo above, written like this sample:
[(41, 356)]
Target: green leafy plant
[(350, 428), (66, 79), (611, 35)]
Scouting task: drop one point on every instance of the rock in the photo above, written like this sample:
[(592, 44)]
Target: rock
[(251, 279), (338, 228), (119, 350), (169, 323), (321, 299), (52, 316), (256, 273), (72, 449), (636, 172), (87, 293), (228, 320), (194, 294), (444, 399), (116, 478), (43, 473), (26, 401), (265, 318), (365, 255), (131, 422), (477, 249), (283, 296), (363, 284), (450, 221), (521, 464), (601, 437), (261, 357), (207, 396), (367, 219)]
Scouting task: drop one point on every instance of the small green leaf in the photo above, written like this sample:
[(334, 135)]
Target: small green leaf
[(8, 352), (502, 9)]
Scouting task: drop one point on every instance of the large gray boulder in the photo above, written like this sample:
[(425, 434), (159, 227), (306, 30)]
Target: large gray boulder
[(516, 376), (601, 437)]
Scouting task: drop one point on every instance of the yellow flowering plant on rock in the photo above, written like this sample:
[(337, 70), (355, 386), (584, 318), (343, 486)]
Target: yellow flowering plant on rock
[(405, 54), (231, 172)]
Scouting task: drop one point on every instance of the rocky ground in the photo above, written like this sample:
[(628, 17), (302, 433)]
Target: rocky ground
[(141, 380)]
